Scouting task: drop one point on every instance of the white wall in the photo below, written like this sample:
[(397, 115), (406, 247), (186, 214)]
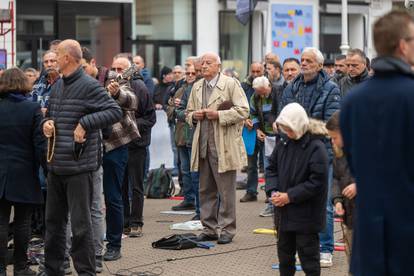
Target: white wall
[(356, 31), (4, 4), (377, 9), (207, 26)]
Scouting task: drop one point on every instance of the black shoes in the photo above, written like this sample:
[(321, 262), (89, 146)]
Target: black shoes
[(24, 272), (248, 197), (112, 254), (205, 237), (183, 206), (196, 217), (224, 239)]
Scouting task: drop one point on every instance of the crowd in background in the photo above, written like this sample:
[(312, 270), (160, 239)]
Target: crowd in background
[(82, 131)]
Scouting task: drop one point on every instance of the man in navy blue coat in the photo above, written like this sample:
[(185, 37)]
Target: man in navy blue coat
[(377, 123)]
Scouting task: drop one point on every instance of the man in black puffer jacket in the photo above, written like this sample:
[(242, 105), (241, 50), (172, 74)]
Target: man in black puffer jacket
[(78, 108)]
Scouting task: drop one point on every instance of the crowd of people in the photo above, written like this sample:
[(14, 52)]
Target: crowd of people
[(78, 131)]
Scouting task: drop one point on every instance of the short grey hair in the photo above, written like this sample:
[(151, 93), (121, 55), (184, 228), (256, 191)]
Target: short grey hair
[(318, 54), (260, 82)]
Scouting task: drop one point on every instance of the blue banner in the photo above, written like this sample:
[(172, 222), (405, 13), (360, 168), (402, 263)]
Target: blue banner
[(292, 29)]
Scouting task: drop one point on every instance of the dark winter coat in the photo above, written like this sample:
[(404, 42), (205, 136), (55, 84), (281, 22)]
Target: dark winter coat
[(75, 99), (149, 83), (145, 115), (22, 149), (348, 82), (341, 179), (324, 101), (377, 126), (300, 168)]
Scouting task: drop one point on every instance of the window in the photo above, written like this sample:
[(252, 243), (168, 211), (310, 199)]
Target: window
[(234, 43)]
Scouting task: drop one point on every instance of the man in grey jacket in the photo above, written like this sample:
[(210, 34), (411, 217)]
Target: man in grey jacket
[(78, 108)]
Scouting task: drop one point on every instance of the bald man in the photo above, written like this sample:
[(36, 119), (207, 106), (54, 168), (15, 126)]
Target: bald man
[(216, 109), (145, 73), (78, 108)]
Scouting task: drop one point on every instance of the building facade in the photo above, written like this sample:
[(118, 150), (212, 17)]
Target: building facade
[(165, 32)]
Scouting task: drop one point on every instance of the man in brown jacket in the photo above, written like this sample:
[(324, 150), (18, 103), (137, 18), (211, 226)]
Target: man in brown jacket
[(217, 108)]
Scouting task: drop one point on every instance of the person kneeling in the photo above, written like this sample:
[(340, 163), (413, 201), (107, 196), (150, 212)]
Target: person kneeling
[(297, 183)]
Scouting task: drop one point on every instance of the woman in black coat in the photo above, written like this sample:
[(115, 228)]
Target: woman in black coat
[(297, 181), (21, 153)]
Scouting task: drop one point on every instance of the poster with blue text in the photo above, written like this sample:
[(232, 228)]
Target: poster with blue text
[(292, 29)]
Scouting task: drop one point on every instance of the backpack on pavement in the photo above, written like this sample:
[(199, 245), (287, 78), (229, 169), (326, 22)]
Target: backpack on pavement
[(159, 183)]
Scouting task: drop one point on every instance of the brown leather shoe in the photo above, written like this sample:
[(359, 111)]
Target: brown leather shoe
[(248, 197), (205, 237)]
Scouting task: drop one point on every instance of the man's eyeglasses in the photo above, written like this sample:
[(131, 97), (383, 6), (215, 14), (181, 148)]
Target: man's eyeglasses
[(190, 73), (117, 69)]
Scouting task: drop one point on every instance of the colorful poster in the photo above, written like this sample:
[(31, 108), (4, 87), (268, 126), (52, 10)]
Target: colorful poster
[(292, 29)]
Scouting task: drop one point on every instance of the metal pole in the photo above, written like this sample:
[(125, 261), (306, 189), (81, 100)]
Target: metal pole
[(344, 41)]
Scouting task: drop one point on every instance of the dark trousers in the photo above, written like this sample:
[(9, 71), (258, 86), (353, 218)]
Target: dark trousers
[(252, 173), (307, 246), (114, 164), (21, 225), (135, 175), (69, 194)]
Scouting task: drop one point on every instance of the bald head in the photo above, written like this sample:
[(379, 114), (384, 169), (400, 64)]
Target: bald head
[(69, 55), (256, 69), (212, 55), (72, 48), (139, 62)]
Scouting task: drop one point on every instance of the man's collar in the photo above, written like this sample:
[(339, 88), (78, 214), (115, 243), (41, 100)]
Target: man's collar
[(212, 83)]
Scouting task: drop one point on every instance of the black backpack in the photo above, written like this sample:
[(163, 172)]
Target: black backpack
[(159, 183)]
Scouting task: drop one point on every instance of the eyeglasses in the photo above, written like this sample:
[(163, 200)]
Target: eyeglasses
[(190, 73), (117, 69)]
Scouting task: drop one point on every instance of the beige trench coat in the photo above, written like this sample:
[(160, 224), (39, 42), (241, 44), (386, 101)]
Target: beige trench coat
[(227, 129)]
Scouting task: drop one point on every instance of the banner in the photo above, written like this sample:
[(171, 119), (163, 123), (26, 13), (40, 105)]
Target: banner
[(292, 29)]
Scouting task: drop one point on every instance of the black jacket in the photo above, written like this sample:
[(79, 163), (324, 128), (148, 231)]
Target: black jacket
[(348, 82), (22, 149), (75, 99), (300, 168), (145, 115), (341, 178)]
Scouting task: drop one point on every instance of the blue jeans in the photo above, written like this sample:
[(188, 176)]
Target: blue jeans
[(114, 164), (190, 179), (252, 174), (327, 236)]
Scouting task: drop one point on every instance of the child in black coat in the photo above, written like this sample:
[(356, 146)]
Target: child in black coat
[(297, 183)]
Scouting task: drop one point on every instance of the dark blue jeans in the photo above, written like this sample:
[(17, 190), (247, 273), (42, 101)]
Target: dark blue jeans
[(190, 179), (252, 173), (114, 163)]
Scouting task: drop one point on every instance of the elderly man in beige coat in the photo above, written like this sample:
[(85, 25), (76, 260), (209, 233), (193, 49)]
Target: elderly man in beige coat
[(217, 108)]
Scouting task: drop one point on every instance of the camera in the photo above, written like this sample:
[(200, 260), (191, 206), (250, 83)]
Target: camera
[(409, 4)]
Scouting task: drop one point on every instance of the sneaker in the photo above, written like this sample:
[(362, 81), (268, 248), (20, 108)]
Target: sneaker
[(183, 206), (98, 264), (267, 211), (326, 259), (248, 197), (24, 272), (112, 254), (136, 232)]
